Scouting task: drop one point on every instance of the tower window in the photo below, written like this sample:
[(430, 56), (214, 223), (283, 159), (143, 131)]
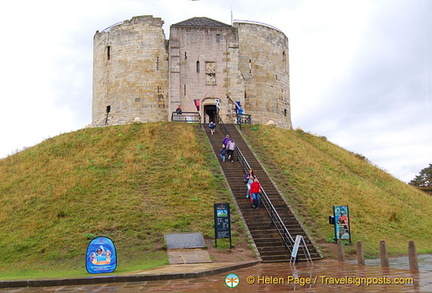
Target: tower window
[(108, 52), (185, 55), (157, 63), (184, 90), (218, 38), (198, 67)]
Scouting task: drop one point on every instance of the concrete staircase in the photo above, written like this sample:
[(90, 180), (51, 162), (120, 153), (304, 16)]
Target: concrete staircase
[(264, 233)]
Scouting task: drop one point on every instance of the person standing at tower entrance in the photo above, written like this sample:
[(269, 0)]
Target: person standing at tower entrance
[(212, 127)]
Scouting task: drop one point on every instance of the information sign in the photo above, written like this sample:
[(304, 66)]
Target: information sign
[(342, 223), (101, 256), (222, 221)]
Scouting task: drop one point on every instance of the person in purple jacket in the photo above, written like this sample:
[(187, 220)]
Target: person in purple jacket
[(225, 141)]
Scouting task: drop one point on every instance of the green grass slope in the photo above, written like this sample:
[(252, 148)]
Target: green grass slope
[(315, 175), (131, 183)]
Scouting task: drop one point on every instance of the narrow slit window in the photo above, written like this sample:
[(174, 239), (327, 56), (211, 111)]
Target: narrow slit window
[(185, 55), (198, 67), (108, 51), (184, 90), (157, 63)]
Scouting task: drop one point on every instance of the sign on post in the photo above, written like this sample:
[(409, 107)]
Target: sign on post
[(300, 243), (341, 223), (222, 220), (296, 247)]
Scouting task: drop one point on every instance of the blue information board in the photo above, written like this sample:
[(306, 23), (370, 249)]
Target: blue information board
[(101, 256), (342, 223), (222, 221)]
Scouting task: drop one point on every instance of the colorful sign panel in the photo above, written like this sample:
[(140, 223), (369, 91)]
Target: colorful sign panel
[(101, 256), (341, 223), (222, 221)]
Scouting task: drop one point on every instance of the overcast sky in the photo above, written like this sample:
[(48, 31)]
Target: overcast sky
[(361, 71)]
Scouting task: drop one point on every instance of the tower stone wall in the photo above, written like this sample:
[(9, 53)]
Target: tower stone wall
[(130, 73), (264, 68), (204, 67)]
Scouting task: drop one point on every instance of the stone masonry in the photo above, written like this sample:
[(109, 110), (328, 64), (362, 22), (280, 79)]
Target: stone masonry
[(206, 66)]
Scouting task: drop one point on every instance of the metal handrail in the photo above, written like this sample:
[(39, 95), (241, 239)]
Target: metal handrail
[(271, 210), (222, 126), (188, 117), (244, 119)]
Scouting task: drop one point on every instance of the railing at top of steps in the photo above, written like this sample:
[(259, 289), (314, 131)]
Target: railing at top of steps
[(188, 117), (274, 216)]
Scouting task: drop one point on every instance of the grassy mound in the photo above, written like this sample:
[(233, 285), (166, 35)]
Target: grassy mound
[(315, 175), (131, 183)]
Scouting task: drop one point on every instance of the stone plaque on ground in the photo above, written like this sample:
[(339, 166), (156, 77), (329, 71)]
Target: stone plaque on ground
[(188, 256), (184, 240)]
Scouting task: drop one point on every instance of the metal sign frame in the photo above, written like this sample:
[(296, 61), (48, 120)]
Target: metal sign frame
[(222, 222)]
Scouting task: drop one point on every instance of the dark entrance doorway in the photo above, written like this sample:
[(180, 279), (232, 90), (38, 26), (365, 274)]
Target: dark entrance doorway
[(211, 112)]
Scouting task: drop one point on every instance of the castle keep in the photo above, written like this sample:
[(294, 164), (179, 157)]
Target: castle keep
[(206, 66)]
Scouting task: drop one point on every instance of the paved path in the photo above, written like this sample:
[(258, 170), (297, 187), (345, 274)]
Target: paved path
[(323, 276)]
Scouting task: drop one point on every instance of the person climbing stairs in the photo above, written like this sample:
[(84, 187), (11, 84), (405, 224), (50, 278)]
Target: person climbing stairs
[(261, 222)]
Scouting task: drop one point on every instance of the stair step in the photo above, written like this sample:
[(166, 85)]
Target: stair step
[(265, 235)]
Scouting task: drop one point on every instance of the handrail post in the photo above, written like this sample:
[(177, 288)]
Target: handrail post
[(412, 255), (384, 254)]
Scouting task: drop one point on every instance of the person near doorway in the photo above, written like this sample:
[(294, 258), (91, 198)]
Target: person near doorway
[(179, 110), (212, 127)]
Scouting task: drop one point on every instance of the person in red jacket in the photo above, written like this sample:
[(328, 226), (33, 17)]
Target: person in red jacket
[(255, 192)]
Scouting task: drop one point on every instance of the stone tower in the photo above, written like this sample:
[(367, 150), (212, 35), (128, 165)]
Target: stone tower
[(130, 73), (206, 66)]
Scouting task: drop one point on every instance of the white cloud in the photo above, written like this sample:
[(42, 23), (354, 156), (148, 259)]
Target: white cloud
[(360, 70)]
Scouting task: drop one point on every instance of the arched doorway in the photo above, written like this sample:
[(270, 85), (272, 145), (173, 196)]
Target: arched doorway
[(210, 110), (211, 113)]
